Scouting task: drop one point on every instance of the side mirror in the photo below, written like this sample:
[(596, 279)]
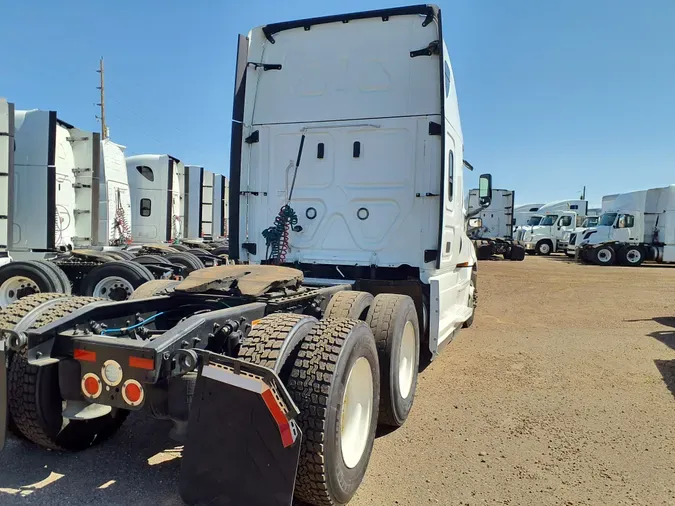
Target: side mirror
[(485, 190), (475, 223)]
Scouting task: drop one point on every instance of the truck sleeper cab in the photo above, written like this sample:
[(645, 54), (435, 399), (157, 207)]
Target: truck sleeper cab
[(635, 227), (354, 160)]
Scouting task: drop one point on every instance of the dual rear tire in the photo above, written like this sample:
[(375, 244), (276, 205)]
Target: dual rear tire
[(345, 375)]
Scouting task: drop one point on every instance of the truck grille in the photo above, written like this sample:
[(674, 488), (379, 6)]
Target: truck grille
[(519, 234), (573, 238)]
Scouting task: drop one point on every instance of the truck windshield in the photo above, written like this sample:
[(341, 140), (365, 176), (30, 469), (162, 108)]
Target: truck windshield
[(590, 222), (534, 220), (549, 220), (607, 219)]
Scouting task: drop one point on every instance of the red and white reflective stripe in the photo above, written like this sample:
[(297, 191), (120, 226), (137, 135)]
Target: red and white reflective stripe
[(88, 380), (259, 387), (279, 416)]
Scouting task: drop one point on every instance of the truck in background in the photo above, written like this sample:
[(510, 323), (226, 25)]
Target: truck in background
[(157, 186), (494, 233), (557, 218), (573, 239), (523, 213), (67, 211), (637, 227)]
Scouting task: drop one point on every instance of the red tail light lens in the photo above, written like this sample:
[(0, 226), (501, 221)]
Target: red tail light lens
[(91, 386), (132, 392)]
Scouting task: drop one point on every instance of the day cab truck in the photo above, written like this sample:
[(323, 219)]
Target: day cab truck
[(347, 220), (494, 233), (637, 227), (575, 238), (558, 218)]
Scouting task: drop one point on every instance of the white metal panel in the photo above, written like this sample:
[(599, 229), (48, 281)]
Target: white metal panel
[(360, 69), (31, 170), (193, 198), (207, 204), (6, 171), (217, 218), (114, 196), (497, 217), (65, 191), (366, 210), (86, 147), (155, 227)]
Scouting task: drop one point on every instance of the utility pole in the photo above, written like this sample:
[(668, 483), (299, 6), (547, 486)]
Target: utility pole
[(104, 128)]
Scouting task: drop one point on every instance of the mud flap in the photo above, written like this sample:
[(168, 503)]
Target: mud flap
[(3, 392), (243, 443)]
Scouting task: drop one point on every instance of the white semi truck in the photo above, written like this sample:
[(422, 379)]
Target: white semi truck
[(523, 213), (494, 235), (66, 201), (353, 158), (573, 239), (557, 219), (637, 227)]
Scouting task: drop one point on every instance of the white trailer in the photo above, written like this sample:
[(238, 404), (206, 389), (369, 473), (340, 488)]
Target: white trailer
[(637, 227)]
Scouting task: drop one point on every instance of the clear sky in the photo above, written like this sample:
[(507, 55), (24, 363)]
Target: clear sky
[(554, 94)]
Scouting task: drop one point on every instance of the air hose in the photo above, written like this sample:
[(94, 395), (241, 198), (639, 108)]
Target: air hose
[(276, 236)]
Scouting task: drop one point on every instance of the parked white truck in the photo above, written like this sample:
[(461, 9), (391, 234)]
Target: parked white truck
[(523, 213), (637, 227), (573, 239), (347, 145), (494, 234), (65, 195), (558, 218)]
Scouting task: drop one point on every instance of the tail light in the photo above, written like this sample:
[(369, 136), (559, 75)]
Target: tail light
[(91, 386), (132, 392)]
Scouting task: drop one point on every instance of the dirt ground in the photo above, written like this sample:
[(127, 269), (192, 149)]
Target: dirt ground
[(560, 394)]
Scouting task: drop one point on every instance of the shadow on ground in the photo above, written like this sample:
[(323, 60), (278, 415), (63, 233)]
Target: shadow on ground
[(139, 462)]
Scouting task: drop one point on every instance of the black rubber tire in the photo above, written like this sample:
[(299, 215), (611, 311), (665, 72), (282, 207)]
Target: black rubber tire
[(349, 304), (151, 259), (274, 339), (388, 317), (484, 251), (517, 253), (206, 257), (65, 282), (35, 401), (9, 318), (135, 274), (126, 255), (154, 287), (180, 247), (221, 250), (472, 300), (540, 246), (318, 379), (603, 255), (631, 256), (507, 253), (40, 272), (185, 259)]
